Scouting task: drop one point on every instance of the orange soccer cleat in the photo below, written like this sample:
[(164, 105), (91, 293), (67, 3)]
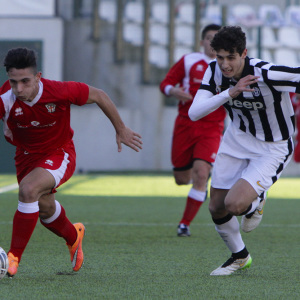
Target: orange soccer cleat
[(13, 264), (76, 252)]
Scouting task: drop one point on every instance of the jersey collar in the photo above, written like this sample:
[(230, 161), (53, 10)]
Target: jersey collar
[(37, 97)]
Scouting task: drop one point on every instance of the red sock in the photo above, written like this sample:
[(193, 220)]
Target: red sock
[(62, 227), (191, 208), (23, 226)]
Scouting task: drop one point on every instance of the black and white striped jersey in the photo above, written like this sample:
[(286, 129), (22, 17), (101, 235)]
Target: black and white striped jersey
[(267, 112)]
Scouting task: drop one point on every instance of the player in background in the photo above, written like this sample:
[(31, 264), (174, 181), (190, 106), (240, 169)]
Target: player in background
[(257, 144), (296, 104), (36, 116), (194, 144)]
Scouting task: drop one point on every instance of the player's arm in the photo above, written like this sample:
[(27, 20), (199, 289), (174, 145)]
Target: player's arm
[(123, 134), (180, 94), (206, 99), (175, 76), (205, 102)]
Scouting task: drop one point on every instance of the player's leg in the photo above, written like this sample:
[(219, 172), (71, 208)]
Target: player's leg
[(56, 221), (195, 145), (183, 176), (228, 169), (257, 176), (62, 169), (35, 184), (262, 172), (240, 197), (196, 196), (227, 226), (181, 157)]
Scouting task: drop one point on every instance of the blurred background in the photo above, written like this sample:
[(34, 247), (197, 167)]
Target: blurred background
[(125, 48)]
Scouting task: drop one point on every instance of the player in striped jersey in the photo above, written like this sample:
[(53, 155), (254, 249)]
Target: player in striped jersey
[(257, 144)]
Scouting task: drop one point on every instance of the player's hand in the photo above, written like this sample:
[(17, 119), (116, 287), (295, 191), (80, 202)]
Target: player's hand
[(243, 85), (129, 138), (180, 94)]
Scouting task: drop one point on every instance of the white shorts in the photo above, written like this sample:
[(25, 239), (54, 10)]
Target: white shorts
[(241, 155)]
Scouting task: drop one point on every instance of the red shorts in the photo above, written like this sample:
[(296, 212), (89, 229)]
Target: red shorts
[(297, 148), (60, 163), (195, 140)]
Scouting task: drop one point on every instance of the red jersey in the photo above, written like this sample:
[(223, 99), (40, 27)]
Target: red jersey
[(43, 124), (189, 72)]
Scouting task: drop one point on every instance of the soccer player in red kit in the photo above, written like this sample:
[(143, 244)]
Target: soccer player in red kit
[(36, 116), (296, 105), (195, 144)]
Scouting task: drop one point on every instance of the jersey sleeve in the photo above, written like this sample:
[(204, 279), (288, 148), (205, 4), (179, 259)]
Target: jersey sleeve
[(2, 109), (208, 98), (174, 76), (208, 82), (282, 78), (3, 89), (77, 92), (205, 103)]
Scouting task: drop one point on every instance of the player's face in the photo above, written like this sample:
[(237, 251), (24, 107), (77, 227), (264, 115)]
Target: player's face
[(231, 64), (208, 50), (24, 83)]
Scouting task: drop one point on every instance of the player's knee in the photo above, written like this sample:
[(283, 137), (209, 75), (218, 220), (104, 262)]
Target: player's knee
[(182, 180), (212, 209), (199, 178), (233, 207), (27, 193), (215, 210)]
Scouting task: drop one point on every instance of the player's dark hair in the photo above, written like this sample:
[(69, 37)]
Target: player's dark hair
[(209, 27), (229, 38), (20, 58)]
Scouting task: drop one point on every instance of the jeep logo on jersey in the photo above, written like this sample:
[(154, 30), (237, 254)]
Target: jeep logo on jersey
[(50, 107), (250, 105)]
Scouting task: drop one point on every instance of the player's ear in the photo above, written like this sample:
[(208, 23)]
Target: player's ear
[(38, 76), (244, 54)]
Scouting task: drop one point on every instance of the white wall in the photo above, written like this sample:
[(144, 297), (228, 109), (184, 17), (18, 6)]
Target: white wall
[(95, 136), (48, 30), (30, 8)]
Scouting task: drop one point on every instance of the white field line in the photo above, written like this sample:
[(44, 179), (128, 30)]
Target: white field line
[(166, 224), (172, 225), (9, 188)]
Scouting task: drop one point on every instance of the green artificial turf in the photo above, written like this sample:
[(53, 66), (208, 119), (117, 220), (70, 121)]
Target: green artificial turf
[(132, 251)]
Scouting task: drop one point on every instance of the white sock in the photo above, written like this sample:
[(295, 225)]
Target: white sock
[(55, 215), (197, 195), (230, 233), (28, 208)]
